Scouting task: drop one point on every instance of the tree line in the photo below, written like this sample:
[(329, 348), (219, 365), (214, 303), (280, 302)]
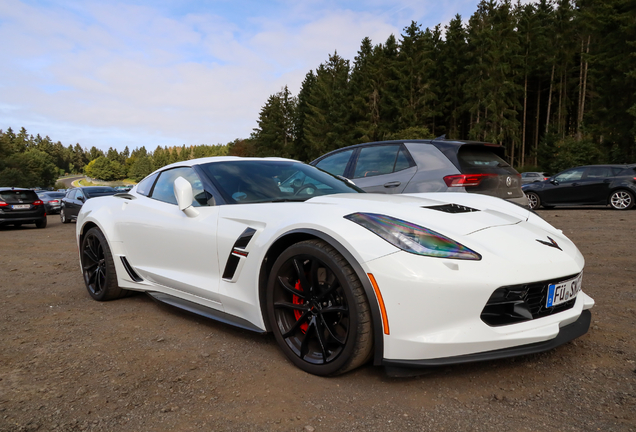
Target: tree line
[(554, 82), (33, 161)]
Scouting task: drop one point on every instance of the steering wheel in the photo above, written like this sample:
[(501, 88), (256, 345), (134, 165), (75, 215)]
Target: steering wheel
[(309, 188)]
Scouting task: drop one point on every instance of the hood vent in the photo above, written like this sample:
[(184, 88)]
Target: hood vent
[(452, 208)]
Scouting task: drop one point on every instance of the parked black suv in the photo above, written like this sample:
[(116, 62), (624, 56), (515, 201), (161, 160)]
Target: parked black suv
[(438, 165), (613, 185), (21, 206)]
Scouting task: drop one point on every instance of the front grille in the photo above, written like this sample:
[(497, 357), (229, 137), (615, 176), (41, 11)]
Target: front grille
[(518, 303)]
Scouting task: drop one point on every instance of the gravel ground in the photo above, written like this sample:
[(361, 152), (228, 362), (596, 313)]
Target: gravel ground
[(68, 363)]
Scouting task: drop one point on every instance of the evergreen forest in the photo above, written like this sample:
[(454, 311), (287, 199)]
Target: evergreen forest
[(553, 81)]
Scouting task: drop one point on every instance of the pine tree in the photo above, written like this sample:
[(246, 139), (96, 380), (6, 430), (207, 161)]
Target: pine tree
[(327, 128), (275, 133)]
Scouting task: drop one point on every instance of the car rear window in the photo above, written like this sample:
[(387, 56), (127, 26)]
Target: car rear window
[(55, 195), (95, 192), (14, 196), (473, 159)]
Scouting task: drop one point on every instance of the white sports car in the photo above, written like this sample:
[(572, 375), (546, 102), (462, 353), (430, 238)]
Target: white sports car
[(338, 275)]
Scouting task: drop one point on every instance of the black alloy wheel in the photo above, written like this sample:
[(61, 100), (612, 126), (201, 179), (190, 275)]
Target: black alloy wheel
[(98, 267), (318, 310), (622, 200), (533, 200)]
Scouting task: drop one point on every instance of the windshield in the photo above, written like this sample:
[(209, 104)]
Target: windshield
[(54, 195), (252, 181)]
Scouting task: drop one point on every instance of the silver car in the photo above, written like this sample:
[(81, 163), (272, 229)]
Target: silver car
[(437, 165), (533, 177)]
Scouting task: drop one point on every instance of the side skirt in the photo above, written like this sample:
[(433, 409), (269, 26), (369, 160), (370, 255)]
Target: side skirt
[(205, 311)]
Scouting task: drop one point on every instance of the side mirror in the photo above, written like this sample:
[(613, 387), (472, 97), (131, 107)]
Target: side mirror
[(184, 195), (554, 181), (81, 198)]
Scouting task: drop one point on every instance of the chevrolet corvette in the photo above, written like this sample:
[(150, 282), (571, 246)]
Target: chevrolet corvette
[(339, 276)]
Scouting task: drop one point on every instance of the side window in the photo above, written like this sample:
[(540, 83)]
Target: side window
[(376, 160), (571, 175), (598, 172), (335, 164), (403, 162), (79, 194), (164, 188), (71, 194), (145, 185)]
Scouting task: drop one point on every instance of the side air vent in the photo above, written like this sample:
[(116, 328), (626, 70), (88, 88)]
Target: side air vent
[(125, 195), (238, 252), (452, 208), (131, 272)]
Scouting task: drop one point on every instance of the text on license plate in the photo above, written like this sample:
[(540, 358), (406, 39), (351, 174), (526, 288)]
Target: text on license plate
[(564, 291), (21, 206)]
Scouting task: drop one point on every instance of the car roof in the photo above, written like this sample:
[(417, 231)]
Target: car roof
[(605, 165), (442, 144), (210, 159), (14, 188)]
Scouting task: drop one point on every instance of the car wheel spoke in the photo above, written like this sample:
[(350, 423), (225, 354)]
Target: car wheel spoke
[(296, 325), (331, 333), (339, 309), (288, 305), (284, 282), (300, 272), (304, 344), (334, 286), (321, 340)]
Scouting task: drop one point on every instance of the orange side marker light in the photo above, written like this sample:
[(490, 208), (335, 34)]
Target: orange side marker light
[(378, 295)]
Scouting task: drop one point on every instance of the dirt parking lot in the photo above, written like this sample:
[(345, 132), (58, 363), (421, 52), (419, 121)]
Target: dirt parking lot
[(68, 363)]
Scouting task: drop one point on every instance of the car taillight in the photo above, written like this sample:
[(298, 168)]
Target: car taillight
[(38, 202), (54, 201), (466, 179), (3, 204)]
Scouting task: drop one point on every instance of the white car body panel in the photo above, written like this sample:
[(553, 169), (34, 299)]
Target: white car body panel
[(433, 305)]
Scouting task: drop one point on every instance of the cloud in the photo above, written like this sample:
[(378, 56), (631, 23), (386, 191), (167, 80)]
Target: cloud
[(131, 74)]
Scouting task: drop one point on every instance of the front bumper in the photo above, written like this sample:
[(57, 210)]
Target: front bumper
[(566, 334)]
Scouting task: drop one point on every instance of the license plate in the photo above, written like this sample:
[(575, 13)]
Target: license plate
[(21, 206), (564, 291)]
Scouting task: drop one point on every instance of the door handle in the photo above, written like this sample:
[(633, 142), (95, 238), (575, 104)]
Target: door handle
[(392, 184)]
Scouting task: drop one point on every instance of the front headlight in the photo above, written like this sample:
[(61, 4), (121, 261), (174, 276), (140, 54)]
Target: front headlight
[(413, 238)]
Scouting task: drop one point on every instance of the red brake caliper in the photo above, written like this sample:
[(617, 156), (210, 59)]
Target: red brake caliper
[(297, 300)]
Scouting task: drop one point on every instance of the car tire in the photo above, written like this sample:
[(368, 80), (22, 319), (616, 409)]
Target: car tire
[(41, 223), (533, 200), (318, 311), (63, 217), (98, 267), (621, 200)]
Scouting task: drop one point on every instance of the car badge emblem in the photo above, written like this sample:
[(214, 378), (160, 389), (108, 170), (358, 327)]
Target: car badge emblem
[(508, 181), (550, 243)]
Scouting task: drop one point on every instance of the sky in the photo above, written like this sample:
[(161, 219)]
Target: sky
[(173, 72)]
